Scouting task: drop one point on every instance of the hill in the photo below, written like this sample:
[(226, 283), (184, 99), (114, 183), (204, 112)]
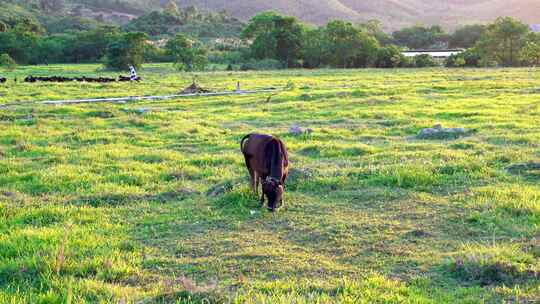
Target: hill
[(60, 16), (393, 13)]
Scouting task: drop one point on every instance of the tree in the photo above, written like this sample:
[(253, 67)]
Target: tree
[(419, 37), (288, 35), (472, 57), (92, 45), (7, 62), (188, 55), (455, 61), (389, 57), (172, 8), (424, 61), (466, 36), (502, 41), (367, 53), (262, 23), (374, 28), (313, 50), (531, 53), (28, 26), (275, 37), (347, 46), (21, 46), (127, 50)]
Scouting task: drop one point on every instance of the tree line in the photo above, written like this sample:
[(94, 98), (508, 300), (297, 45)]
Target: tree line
[(268, 41), (340, 44)]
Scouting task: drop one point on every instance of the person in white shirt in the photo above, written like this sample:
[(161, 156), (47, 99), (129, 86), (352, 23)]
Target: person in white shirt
[(133, 73)]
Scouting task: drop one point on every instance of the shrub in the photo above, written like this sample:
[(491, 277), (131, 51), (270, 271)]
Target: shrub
[(188, 54), (155, 54), (407, 62), (424, 61), (389, 57), (455, 61), (127, 50), (7, 62), (472, 58)]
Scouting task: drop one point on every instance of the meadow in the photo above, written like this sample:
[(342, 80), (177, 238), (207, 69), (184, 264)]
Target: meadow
[(148, 201)]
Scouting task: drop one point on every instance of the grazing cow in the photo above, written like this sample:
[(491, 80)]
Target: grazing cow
[(3, 80), (267, 161)]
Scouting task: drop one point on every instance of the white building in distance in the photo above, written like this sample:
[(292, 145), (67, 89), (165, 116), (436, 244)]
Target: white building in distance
[(436, 54)]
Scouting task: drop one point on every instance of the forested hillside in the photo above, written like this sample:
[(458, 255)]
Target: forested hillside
[(60, 16), (394, 14)]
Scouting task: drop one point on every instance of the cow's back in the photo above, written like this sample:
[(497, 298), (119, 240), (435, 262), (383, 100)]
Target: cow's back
[(254, 151)]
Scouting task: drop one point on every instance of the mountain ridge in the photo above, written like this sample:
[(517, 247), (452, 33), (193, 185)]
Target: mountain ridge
[(393, 14)]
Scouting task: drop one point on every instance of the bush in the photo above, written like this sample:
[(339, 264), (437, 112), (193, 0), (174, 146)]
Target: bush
[(472, 58), (424, 61), (188, 54), (7, 62), (407, 62), (127, 50), (455, 61), (155, 54), (389, 57)]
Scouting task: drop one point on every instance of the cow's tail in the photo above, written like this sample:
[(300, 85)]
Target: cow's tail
[(243, 141)]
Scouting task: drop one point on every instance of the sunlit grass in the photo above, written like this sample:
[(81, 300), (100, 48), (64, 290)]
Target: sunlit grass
[(154, 204)]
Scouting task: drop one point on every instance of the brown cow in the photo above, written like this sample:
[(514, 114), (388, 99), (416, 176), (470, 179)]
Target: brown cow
[(268, 162)]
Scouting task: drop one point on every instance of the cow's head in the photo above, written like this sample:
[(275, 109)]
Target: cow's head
[(273, 189)]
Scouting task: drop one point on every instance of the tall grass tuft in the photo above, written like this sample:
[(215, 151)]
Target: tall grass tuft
[(61, 253)]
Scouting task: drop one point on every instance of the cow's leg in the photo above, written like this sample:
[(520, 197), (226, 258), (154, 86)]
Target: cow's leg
[(283, 183), (255, 182), (262, 198), (261, 180)]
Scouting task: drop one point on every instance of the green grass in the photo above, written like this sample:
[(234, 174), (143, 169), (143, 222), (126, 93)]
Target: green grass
[(100, 203)]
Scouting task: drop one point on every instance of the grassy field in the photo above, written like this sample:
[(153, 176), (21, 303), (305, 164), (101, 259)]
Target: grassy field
[(148, 202)]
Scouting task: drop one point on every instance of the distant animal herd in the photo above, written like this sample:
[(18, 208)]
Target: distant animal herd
[(33, 79)]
